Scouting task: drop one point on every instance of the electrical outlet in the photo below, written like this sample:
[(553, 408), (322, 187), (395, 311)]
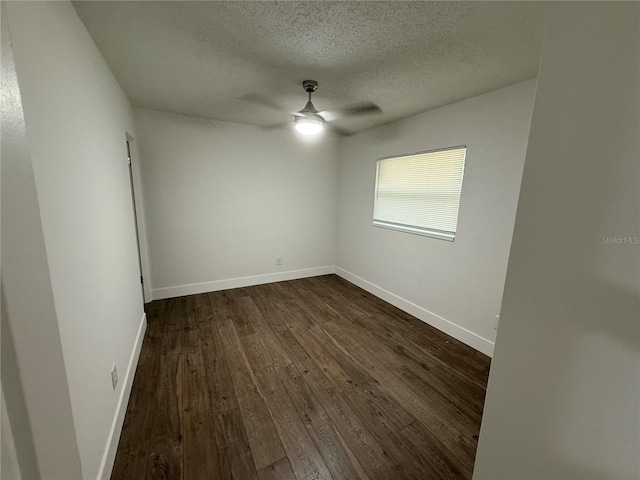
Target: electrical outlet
[(114, 376), (278, 260), (495, 324)]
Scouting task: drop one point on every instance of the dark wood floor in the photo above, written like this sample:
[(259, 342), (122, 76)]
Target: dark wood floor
[(307, 379)]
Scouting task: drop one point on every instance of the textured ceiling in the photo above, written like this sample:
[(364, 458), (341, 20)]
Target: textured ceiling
[(244, 61)]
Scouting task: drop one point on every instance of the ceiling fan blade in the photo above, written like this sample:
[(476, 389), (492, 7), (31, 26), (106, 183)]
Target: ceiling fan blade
[(364, 108), (258, 99), (278, 126), (336, 129)]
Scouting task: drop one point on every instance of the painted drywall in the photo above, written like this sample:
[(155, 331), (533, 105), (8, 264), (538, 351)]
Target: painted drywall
[(40, 417), (564, 394), (455, 285), (76, 117), (223, 200)]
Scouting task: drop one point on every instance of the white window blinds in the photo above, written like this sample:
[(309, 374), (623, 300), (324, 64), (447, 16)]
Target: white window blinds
[(420, 193)]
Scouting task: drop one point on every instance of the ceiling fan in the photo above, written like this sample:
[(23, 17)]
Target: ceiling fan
[(310, 121)]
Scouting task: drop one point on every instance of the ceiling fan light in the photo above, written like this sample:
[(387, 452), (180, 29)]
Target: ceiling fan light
[(309, 126)]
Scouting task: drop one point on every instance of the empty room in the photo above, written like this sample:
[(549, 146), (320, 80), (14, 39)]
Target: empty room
[(298, 240)]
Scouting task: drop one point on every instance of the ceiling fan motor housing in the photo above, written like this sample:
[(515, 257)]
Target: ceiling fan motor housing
[(310, 86)]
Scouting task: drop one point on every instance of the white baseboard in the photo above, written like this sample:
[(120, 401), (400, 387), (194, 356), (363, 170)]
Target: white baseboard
[(194, 288), (450, 328), (109, 455), (460, 333)]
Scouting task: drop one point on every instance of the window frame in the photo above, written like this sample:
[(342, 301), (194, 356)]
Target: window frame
[(415, 230)]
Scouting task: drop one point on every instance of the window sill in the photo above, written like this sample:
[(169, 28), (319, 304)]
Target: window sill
[(450, 237)]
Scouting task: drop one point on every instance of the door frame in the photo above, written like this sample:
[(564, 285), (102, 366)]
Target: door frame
[(138, 211)]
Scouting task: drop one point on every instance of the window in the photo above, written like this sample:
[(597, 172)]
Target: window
[(420, 193)]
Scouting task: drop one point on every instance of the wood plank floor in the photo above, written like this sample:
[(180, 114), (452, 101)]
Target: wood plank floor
[(307, 379)]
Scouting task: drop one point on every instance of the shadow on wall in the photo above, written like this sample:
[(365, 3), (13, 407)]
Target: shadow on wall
[(15, 402)]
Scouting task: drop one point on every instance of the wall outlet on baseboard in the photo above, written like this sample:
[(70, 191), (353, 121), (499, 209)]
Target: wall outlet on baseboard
[(114, 376), (278, 260)]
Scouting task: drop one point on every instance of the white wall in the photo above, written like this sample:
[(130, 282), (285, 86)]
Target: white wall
[(564, 396), (76, 117), (223, 200), (457, 286), (41, 422)]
